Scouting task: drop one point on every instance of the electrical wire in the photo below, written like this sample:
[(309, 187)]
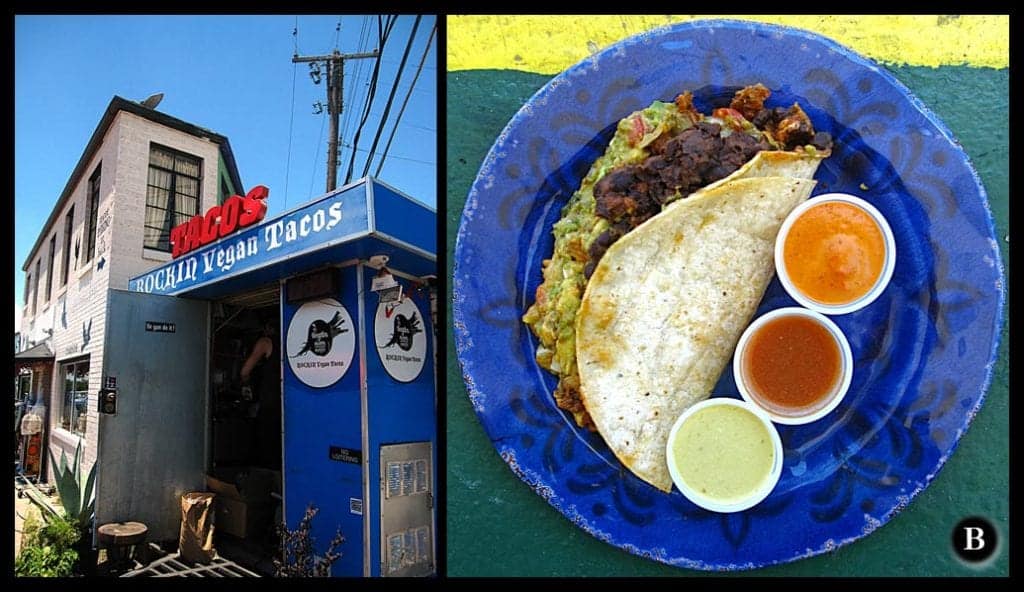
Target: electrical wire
[(383, 33), (291, 117), (391, 95), (353, 83), (316, 155), (410, 159), (398, 119), (368, 100)]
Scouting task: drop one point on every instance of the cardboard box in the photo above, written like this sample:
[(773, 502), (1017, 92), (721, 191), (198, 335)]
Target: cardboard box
[(243, 505)]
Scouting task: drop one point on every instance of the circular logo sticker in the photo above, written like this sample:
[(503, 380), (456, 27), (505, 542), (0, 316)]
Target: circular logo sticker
[(321, 341), (401, 340), (975, 539)]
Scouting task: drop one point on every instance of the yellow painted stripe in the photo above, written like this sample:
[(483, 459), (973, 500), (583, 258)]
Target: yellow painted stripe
[(550, 44)]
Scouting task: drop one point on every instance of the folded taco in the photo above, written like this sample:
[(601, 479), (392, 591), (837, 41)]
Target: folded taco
[(658, 156), (664, 309)]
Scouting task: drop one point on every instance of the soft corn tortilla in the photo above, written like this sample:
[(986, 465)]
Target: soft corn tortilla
[(664, 309)]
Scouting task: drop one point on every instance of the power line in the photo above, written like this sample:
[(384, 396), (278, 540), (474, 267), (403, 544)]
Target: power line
[(383, 33), (421, 127), (381, 38), (316, 154), (291, 122), (391, 95), (426, 50), (334, 64), (397, 156), (364, 37)]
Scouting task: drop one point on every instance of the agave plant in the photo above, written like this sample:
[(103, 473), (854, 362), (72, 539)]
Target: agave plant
[(78, 501)]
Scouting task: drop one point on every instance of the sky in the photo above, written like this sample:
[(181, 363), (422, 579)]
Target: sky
[(230, 74)]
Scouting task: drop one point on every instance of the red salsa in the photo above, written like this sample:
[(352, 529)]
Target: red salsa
[(791, 364)]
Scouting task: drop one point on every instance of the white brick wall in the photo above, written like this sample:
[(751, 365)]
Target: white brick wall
[(124, 155)]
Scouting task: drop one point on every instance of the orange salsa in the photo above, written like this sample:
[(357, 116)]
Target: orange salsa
[(791, 364), (834, 253)]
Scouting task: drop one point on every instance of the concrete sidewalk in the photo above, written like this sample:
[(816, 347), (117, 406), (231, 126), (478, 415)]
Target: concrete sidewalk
[(23, 508)]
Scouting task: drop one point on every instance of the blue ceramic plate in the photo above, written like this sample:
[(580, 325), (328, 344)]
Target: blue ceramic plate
[(923, 352)]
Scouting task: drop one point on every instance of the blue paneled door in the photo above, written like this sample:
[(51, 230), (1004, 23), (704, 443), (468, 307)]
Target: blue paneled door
[(323, 456)]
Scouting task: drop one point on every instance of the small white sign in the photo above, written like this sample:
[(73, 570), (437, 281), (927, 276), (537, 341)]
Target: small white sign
[(392, 294), (382, 282), (321, 342), (355, 506), (401, 339)]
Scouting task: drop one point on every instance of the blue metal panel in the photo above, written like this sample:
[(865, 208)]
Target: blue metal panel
[(316, 419), (398, 411), (402, 218), (362, 248), (336, 218)]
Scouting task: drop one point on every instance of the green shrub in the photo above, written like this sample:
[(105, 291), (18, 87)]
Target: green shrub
[(48, 550)]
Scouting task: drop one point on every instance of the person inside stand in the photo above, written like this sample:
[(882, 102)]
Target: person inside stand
[(261, 371)]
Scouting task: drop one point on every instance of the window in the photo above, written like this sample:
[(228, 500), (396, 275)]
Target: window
[(28, 282), (35, 286), (24, 393), (69, 225), (76, 396), (172, 194), (92, 205), (49, 267)]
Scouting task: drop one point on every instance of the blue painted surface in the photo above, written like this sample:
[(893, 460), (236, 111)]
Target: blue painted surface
[(398, 412), (394, 217), (314, 420), (362, 248)]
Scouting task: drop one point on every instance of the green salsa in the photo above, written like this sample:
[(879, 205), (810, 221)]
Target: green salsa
[(723, 452)]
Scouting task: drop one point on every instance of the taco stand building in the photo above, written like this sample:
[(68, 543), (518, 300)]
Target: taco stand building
[(152, 279)]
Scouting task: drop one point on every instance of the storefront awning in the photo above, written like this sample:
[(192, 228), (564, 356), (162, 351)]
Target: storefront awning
[(357, 221), (36, 353)]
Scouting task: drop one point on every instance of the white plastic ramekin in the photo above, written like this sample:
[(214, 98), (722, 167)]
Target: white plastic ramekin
[(710, 503), (888, 265), (830, 401)]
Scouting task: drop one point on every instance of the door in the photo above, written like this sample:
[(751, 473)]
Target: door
[(153, 448), (406, 509)]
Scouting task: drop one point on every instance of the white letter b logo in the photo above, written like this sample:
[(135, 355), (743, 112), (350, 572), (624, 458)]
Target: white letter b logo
[(975, 538)]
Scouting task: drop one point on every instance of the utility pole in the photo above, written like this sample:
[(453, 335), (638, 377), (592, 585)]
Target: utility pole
[(334, 65)]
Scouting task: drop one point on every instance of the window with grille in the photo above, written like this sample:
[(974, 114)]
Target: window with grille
[(28, 284), (76, 396), (92, 207), (172, 194), (49, 267), (69, 225), (35, 286)]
